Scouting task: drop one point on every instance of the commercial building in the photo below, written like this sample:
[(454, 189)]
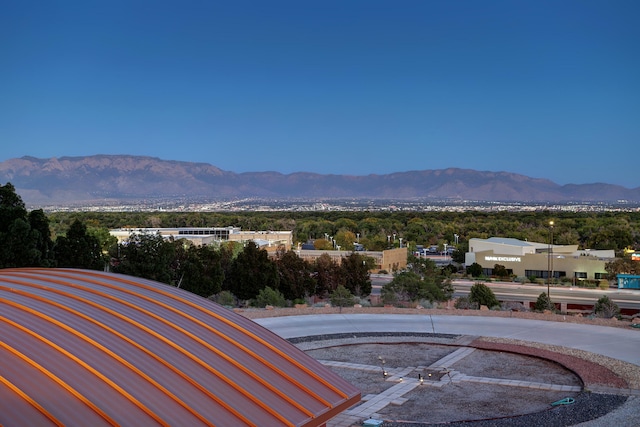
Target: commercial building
[(389, 260), (270, 240), (539, 260)]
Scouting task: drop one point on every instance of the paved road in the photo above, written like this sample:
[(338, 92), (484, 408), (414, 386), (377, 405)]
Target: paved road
[(619, 343), (510, 291)]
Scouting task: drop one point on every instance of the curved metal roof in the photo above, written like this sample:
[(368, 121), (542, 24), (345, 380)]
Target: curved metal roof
[(82, 347)]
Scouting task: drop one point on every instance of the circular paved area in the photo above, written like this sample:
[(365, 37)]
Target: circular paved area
[(464, 379)]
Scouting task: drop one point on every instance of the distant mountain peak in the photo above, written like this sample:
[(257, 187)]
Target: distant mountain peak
[(64, 180)]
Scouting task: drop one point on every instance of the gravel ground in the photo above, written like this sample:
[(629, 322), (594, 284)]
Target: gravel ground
[(470, 404), (453, 401), (487, 406)]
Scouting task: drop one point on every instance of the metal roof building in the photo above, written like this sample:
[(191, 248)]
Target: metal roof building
[(81, 347)]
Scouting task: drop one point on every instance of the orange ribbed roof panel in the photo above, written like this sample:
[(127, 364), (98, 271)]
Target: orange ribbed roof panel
[(81, 347)]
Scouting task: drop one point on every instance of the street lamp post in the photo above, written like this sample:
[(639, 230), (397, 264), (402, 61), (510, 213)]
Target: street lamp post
[(550, 261)]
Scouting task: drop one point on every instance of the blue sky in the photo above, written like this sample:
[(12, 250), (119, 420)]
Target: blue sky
[(548, 89)]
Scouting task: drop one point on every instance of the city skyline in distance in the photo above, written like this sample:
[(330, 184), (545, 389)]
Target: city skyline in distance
[(546, 89), (137, 179)]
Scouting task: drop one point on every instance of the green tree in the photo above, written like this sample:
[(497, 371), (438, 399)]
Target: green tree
[(322, 245), (606, 308), (355, 272), (22, 245), (623, 265), (269, 296), (458, 255), (145, 255), (201, 271), (11, 207), (296, 279), (250, 272), (475, 270), (483, 295), (224, 298), (18, 247), (409, 286), (327, 275), (40, 226), (341, 297), (423, 267), (345, 239), (500, 271), (78, 249), (543, 303)]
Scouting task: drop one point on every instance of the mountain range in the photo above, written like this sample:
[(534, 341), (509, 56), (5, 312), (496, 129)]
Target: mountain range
[(73, 180)]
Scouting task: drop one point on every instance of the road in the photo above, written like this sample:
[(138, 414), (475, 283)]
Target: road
[(619, 343), (511, 291)]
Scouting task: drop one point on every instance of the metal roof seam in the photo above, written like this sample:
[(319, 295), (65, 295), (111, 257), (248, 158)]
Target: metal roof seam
[(50, 374), (121, 360), (175, 346), (127, 339), (216, 372), (233, 342), (244, 331), (30, 400), (220, 363)]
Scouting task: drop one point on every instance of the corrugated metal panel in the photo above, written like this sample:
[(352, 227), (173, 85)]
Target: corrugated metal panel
[(82, 347)]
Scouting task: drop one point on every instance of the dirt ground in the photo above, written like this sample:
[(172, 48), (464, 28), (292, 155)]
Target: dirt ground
[(453, 401)]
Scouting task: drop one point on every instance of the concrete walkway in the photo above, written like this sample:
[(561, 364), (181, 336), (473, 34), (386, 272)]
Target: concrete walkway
[(618, 343)]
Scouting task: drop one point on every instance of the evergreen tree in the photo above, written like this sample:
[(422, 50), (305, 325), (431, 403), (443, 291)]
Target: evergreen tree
[(78, 249), (22, 245), (483, 295), (296, 280), (341, 297), (145, 255), (327, 275), (201, 271), (40, 225), (250, 272), (355, 272), (543, 303)]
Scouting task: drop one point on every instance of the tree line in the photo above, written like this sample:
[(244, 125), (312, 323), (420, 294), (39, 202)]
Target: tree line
[(82, 240), (377, 231)]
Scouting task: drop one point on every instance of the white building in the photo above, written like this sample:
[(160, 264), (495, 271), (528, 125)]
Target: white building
[(213, 235)]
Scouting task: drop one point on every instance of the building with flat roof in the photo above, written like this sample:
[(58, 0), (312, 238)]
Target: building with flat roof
[(270, 240), (539, 260), (389, 260)]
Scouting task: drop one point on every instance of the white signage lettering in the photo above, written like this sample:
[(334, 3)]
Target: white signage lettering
[(503, 258)]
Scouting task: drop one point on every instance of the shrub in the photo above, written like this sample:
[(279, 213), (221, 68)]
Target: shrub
[(543, 303), (606, 308), (341, 297), (513, 306), (224, 298), (463, 303), (269, 296), (365, 302), (475, 270), (483, 295)]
